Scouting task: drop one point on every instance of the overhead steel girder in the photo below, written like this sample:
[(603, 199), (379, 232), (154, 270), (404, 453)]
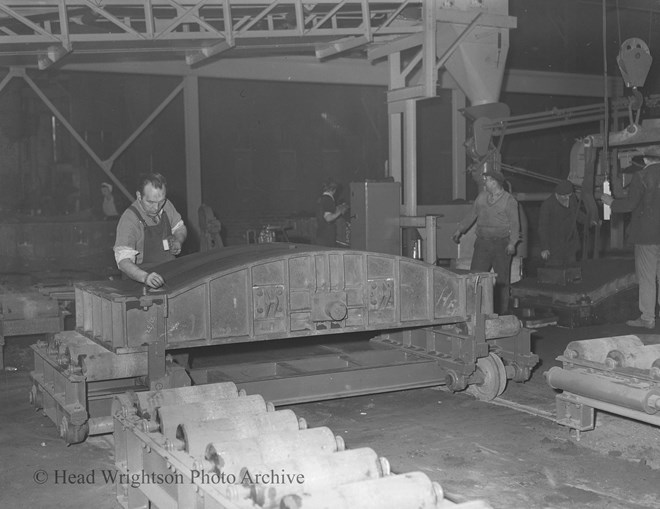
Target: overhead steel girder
[(198, 28)]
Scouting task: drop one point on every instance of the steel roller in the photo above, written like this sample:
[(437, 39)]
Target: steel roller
[(232, 456), (655, 369), (150, 401), (267, 484), (642, 357), (596, 350), (194, 437), (169, 417), (642, 397), (407, 491)]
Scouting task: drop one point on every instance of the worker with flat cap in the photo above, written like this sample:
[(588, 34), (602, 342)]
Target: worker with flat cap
[(498, 231), (558, 233), (149, 232)]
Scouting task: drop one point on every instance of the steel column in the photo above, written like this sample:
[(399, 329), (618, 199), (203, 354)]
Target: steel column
[(410, 158), (458, 155), (193, 151), (429, 51)]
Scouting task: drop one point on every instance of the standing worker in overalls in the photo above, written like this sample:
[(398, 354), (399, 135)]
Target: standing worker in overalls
[(149, 232), (327, 213)]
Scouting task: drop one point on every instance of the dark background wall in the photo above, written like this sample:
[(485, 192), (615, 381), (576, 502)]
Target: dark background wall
[(266, 147)]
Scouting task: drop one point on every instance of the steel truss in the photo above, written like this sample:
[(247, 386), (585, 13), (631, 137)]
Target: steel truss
[(418, 38), (51, 29)]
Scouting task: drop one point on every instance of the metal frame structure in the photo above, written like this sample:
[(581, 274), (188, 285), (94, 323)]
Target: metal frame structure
[(105, 164), (200, 28), (412, 47)]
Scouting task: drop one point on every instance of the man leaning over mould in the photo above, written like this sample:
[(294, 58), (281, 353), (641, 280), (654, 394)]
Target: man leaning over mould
[(150, 231)]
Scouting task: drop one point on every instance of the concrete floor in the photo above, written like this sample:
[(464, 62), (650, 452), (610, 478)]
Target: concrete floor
[(508, 452)]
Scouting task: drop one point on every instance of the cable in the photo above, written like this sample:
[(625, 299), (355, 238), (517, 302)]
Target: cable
[(650, 28), (618, 21), (606, 124)]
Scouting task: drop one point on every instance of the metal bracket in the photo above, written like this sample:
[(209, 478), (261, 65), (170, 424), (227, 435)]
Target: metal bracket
[(573, 414)]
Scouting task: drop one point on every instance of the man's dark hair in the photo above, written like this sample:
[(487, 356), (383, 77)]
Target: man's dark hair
[(329, 185), (155, 179)]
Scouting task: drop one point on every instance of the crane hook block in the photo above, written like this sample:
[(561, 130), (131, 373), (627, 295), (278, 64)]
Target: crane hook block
[(634, 61)]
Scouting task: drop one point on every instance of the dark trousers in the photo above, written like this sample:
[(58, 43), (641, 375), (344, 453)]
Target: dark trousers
[(491, 254)]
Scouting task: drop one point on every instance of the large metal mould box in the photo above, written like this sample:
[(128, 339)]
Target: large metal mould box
[(273, 291)]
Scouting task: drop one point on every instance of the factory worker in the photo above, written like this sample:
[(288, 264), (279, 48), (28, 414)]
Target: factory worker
[(327, 213), (108, 205), (558, 226), (498, 231), (643, 200), (149, 232)]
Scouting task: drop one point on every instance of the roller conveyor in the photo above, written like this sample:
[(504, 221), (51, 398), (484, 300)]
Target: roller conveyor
[(619, 375), (246, 468)]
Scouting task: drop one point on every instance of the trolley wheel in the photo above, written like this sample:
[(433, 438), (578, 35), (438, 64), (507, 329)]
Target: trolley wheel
[(494, 375), (73, 434)]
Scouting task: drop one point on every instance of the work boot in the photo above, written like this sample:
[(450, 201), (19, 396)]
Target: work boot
[(640, 322)]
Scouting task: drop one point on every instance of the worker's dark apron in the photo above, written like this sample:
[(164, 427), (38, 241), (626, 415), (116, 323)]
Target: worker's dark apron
[(153, 252)]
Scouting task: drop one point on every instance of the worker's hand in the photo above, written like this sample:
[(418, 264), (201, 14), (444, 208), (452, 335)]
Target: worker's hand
[(342, 207), (511, 249), (456, 236), (545, 254), (175, 247), (154, 280), (607, 199)]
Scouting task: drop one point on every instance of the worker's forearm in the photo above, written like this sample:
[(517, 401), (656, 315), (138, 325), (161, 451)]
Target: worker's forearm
[(133, 271), (514, 233), (180, 234), (514, 222), (466, 222), (331, 216)]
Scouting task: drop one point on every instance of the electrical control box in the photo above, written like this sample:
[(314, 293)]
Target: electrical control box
[(375, 216)]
